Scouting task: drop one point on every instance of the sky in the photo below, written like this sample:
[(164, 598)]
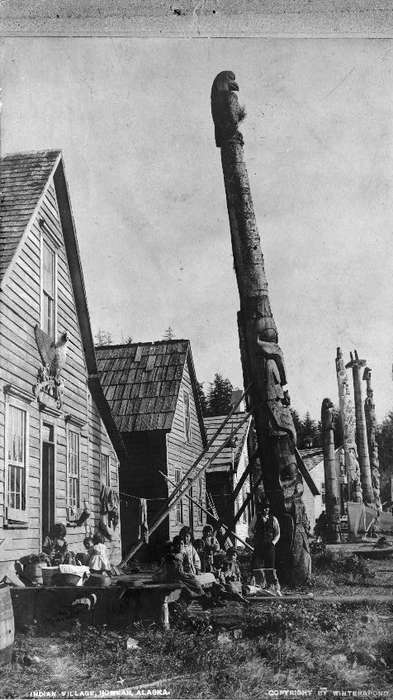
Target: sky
[(132, 117)]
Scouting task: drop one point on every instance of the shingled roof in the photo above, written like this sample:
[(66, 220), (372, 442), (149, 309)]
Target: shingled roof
[(229, 456), (23, 177), (141, 382)]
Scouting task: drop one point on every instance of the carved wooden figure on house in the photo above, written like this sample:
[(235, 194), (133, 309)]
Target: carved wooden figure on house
[(262, 358), (53, 356)]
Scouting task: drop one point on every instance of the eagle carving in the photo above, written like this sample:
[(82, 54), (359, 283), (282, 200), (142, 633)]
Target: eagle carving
[(226, 111), (53, 356)]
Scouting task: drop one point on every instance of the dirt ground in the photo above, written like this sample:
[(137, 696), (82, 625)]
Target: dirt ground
[(259, 651)]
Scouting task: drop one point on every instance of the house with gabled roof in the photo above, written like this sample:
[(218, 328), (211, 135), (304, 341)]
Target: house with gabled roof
[(314, 491), (152, 391), (228, 475), (59, 444)]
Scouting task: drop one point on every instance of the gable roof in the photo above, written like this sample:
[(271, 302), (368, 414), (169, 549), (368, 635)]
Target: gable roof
[(312, 456), (141, 382), (229, 456), (24, 179)]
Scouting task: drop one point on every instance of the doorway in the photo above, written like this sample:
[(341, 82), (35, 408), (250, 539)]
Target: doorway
[(48, 478)]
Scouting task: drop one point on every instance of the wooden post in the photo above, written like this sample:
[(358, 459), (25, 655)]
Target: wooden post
[(371, 424), (349, 432), (261, 356), (361, 431), (332, 485)]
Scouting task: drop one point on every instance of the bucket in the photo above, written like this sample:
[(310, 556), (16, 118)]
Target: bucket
[(33, 573), (48, 573), (7, 627)]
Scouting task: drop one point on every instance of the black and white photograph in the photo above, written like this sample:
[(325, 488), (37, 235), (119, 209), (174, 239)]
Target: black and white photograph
[(196, 350)]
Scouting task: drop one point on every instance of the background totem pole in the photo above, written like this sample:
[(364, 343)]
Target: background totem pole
[(361, 431), (332, 485), (262, 358), (349, 432), (371, 423)]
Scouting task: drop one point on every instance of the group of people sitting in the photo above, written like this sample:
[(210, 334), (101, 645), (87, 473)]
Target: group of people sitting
[(55, 549), (207, 572)]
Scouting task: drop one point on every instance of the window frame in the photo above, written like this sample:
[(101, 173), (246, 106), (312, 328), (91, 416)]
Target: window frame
[(200, 500), (179, 512), (44, 294), (15, 517), (107, 481), (187, 416), (71, 429)]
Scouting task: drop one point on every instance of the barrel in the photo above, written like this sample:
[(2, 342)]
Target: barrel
[(7, 627)]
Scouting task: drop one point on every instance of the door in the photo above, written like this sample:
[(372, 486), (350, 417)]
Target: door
[(48, 479)]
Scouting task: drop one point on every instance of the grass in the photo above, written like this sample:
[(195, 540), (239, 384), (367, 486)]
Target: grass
[(231, 653)]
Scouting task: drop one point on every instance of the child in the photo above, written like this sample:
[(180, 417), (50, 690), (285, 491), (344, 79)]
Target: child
[(209, 546), (83, 558), (191, 561), (99, 557), (55, 545), (232, 575)]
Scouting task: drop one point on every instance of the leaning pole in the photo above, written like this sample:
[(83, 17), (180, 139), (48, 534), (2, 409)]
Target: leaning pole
[(371, 424), (262, 358)]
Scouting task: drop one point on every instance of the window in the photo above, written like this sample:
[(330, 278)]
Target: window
[(105, 476), (323, 492), (187, 416), (16, 462), (48, 289), (200, 501), (73, 469), (179, 504)]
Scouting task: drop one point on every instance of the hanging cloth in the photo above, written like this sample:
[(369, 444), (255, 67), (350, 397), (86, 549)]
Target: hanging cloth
[(143, 524)]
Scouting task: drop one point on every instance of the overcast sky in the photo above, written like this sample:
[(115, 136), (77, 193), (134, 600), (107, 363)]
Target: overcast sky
[(133, 120)]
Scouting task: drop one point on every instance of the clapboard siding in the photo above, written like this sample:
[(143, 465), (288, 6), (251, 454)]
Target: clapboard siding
[(20, 311), (181, 454)]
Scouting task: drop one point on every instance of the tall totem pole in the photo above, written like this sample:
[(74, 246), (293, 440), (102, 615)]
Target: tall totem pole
[(371, 423), (361, 430), (332, 485), (262, 358), (349, 432)]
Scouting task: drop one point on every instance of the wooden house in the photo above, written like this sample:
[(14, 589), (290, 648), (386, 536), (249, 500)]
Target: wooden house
[(152, 391), (228, 477), (58, 442), (314, 492)]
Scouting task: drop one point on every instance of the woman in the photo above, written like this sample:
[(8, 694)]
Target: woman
[(191, 560), (209, 546)]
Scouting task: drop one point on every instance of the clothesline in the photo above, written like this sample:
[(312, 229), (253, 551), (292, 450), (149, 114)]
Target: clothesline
[(139, 498)]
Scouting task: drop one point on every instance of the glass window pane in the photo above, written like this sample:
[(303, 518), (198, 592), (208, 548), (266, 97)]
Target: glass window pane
[(48, 276)]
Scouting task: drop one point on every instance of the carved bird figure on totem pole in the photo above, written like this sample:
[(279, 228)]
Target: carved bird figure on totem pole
[(226, 111)]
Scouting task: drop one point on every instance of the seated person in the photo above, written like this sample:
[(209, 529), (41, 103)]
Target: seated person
[(209, 546), (173, 569), (99, 557), (84, 557), (191, 561), (228, 574), (55, 546)]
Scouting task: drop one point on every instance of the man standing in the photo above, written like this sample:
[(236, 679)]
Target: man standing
[(265, 530)]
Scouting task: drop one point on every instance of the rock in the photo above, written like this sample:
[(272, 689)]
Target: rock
[(132, 644), (224, 638), (339, 658)]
